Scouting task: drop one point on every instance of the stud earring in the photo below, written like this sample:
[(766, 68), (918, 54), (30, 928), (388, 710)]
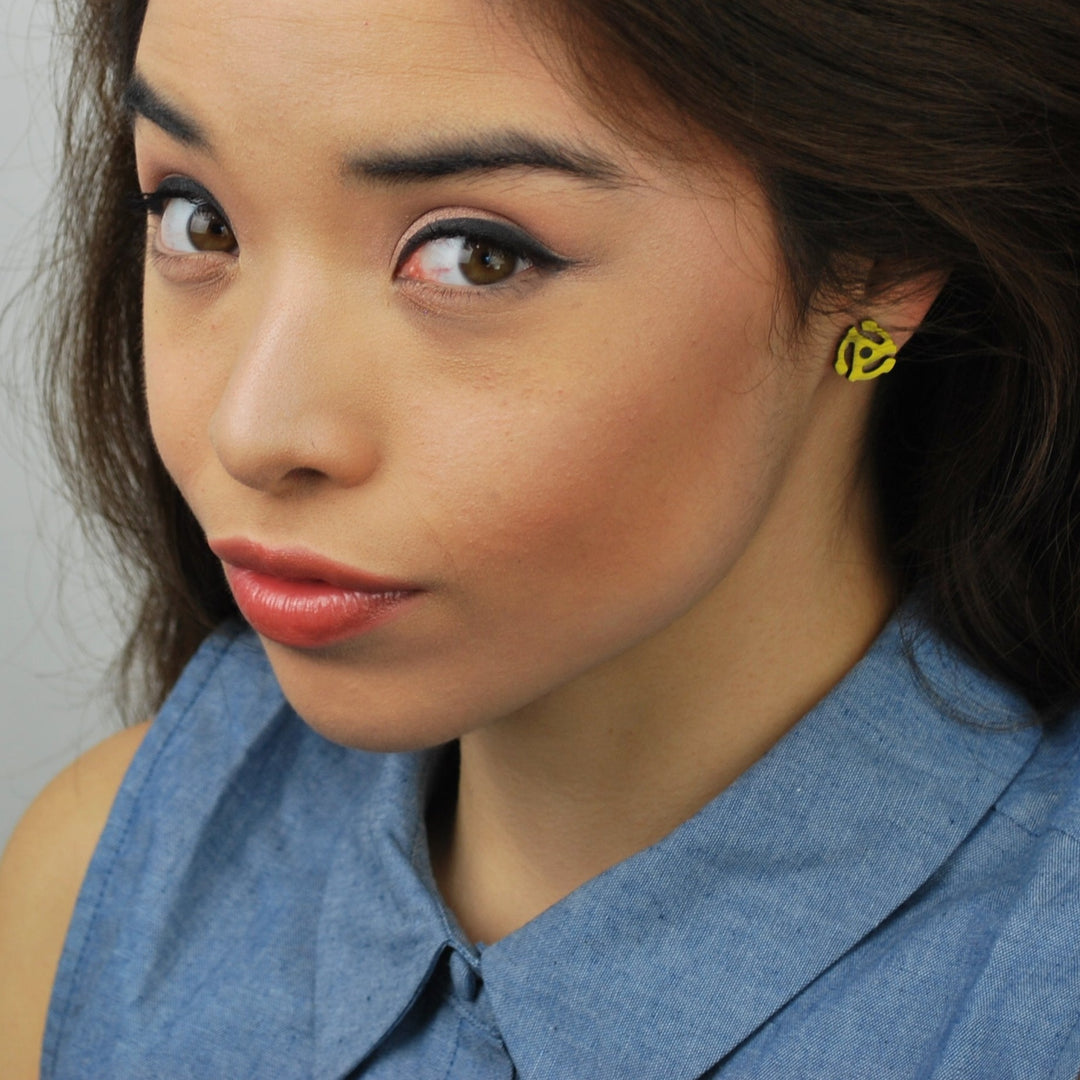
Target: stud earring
[(865, 352)]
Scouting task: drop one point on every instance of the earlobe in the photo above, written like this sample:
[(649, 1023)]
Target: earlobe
[(870, 349)]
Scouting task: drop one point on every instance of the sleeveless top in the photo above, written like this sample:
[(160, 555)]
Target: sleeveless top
[(893, 891)]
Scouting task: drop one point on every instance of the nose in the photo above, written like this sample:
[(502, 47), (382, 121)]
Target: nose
[(295, 407)]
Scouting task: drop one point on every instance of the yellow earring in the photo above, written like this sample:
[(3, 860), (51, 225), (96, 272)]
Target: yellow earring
[(866, 352)]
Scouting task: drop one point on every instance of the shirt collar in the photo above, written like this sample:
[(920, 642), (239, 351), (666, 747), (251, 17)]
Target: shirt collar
[(382, 926), (662, 965)]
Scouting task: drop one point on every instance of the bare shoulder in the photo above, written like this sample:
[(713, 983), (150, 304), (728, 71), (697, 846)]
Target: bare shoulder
[(40, 876)]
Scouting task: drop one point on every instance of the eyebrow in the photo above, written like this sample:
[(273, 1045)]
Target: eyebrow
[(490, 152), (141, 99)]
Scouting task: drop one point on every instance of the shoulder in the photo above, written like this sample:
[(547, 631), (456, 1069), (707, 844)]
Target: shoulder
[(40, 876)]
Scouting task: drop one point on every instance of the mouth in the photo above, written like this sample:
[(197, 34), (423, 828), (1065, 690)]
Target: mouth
[(303, 600)]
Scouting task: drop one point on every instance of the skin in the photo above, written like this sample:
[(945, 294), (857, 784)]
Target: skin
[(40, 875), (627, 488)]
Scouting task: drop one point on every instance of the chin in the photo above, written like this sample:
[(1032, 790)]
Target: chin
[(377, 734), (373, 707)]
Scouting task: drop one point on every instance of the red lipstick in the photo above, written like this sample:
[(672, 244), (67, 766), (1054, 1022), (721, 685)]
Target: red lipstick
[(297, 598)]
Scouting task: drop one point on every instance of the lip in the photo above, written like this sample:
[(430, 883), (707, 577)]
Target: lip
[(298, 598)]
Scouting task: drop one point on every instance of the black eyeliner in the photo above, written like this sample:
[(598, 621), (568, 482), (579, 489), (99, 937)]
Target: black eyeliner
[(177, 187), (496, 233)]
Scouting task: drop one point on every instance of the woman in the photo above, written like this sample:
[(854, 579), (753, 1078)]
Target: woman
[(642, 443)]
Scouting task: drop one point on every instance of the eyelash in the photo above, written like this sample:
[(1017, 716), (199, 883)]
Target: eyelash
[(477, 231), (480, 231), (153, 203)]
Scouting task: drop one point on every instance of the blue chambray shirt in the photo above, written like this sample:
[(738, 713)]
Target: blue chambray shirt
[(892, 891)]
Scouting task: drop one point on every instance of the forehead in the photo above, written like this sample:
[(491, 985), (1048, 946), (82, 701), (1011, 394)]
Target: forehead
[(432, 65)]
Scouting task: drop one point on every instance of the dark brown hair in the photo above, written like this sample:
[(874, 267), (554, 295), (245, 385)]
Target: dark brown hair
[(906, 135)]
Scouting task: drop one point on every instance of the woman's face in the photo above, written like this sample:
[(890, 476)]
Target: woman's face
[(411, 308)]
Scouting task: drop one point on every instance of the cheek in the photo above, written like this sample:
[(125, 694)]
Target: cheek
[(629, 495), (184, 377)]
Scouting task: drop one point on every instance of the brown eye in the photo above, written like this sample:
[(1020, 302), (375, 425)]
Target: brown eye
[(485, 264), (190, 226), (209, 231), (473, 254)]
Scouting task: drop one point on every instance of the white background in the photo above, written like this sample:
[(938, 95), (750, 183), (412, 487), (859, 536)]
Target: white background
[(56, 629)]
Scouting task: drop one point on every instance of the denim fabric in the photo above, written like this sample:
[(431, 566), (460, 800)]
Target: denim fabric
[(892, 892)]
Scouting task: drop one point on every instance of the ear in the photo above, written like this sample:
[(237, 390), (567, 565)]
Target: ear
[(901, 310)]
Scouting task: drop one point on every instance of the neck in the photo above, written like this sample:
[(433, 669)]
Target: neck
[(555, 794)]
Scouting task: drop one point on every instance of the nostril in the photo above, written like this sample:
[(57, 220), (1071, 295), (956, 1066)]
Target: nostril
[(301, 478), (306, 473)]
